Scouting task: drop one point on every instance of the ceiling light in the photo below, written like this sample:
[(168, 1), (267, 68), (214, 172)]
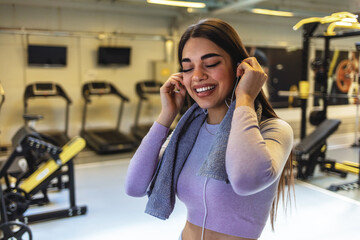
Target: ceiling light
[(272, 12), (178, 3)]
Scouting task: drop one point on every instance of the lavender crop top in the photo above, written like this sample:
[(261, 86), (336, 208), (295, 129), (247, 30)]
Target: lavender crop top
[(255, 159)]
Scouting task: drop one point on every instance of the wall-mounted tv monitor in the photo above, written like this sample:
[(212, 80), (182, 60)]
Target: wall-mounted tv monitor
[(47, 55), (108, 56)]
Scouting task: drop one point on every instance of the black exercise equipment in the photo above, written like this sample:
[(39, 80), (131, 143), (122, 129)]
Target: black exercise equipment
[(105, 140), (19, 190), (143, 89), (319, 116), (2, 95), (311, 151), (44, 90), (2, 100), (357, 101), (15, 230), (40, 90), (354, 184), (309, 30)]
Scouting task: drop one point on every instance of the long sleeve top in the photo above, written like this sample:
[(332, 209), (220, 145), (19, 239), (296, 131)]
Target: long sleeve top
[(255, 158)]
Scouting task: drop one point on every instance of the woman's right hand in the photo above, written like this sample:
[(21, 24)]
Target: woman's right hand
[(172, 95)]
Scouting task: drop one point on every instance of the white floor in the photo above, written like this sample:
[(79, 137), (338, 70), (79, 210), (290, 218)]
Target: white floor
[(319, 214)]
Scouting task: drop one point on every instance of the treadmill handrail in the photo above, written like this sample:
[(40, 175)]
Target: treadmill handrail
[(86, 92), (2, 95), (59, 92), (152, 85), (29, 92)]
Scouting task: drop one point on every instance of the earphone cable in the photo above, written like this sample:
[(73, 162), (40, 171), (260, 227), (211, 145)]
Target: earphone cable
[(205, 207)]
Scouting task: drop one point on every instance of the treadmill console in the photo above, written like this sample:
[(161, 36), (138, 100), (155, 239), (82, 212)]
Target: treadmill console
[(150, 88), (99, 88), (44, 89)]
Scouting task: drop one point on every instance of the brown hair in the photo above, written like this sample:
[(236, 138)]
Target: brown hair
[(225, 36)]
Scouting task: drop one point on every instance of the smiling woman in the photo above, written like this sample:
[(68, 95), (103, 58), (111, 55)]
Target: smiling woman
[(229, 155), (208, 76)]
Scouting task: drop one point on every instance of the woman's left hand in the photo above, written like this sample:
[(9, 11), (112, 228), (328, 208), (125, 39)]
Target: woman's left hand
[(252, 79)]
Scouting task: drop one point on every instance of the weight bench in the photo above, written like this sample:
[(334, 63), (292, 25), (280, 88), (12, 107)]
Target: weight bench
[(312, 149)]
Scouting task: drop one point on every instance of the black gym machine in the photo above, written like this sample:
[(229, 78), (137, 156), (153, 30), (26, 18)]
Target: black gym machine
[(2, 100), (39, 90), (19, 194), (143, 90), (110, 139), (311, 151), (22, 187), (354, 184)]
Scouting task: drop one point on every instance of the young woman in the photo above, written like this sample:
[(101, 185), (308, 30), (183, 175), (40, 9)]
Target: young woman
[(228, 155)]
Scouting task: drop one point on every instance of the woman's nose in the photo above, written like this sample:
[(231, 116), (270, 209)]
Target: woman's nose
[(199, 74)]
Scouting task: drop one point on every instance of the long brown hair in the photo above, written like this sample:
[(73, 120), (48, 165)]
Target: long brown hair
[(225, 36)]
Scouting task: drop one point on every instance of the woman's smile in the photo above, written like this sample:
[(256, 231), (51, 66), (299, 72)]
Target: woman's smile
[(204, 90)]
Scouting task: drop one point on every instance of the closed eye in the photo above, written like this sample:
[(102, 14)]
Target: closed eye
[(213, 65), (187, 70), (209, 66)]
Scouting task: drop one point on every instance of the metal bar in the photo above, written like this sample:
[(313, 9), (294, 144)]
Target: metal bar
[(67, 119), (83, 122), (137, 116), (84, 34), (121, 110), (71, 176), (318, 94), (70, 212), (340, 34), (4, 218), (304, 76), (8, 163), (326, 70)]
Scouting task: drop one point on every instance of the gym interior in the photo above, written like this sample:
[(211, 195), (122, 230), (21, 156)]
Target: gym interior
[(79, 88)]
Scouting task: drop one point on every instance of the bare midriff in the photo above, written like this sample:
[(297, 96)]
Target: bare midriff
[(193, 232)]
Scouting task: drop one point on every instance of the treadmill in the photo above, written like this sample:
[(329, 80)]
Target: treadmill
[(143, 89), (2, 95), (2, 100), (45, 90), (105, 140)]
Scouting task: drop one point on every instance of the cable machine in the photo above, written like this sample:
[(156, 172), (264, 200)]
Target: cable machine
[(308, 34), (315, 143)]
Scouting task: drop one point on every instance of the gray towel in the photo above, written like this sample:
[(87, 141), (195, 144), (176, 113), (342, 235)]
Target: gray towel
[(162, 190)]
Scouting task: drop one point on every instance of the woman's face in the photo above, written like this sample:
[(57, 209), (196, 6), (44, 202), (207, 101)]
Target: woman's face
[(208, 74)]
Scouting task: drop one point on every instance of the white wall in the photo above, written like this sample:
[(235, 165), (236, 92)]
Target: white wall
[(81, 65)]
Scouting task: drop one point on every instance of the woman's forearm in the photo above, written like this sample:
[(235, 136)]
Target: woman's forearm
[(144, 162)]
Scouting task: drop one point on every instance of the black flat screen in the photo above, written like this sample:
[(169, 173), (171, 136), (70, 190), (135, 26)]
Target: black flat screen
[(39, 55), (114, 56)]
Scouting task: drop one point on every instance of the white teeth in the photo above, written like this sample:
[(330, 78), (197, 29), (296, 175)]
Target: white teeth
[(203, 89)]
